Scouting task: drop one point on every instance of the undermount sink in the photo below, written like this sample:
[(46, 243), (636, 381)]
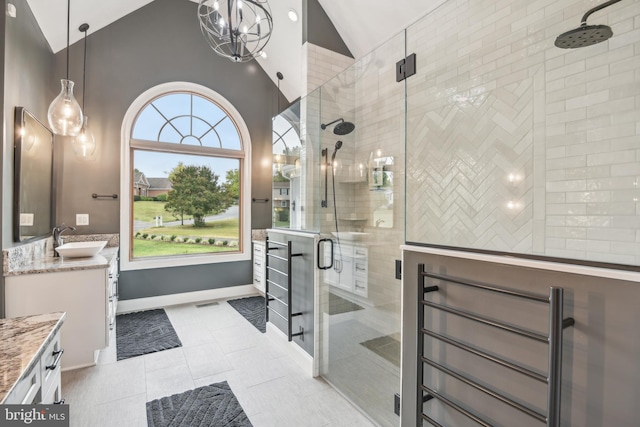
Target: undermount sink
[(80, 249), (350, 235)]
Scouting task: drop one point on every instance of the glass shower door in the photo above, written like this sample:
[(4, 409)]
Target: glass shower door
[(363, 215)]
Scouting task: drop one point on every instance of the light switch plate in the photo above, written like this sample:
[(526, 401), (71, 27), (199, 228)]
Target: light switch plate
[(26, 219), (82, 219)]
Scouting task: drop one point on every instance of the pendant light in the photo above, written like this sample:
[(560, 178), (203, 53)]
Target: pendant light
[(236, 29), (65, 115), (84, 144)]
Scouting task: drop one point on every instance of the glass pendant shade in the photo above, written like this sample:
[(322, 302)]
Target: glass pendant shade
[(84, 144), (65, 114)]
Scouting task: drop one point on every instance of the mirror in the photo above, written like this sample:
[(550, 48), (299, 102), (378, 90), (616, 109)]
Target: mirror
[(33, 178), (287, 173)]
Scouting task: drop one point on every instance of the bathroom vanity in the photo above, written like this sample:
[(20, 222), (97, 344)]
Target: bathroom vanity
[(85, 288), (30, 355)]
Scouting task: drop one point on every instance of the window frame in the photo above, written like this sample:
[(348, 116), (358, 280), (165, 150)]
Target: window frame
[(128, 263)]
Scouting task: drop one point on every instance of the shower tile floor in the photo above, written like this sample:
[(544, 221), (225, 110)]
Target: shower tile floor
[(218, 345)]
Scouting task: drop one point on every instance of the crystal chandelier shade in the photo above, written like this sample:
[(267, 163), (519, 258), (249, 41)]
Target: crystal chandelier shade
[(236, 29)]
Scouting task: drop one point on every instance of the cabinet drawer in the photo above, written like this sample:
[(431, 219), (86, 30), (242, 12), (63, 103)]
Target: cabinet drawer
[(360, 287), (360, 268), (26, 391), (258, 249), (53, 394), (50, 363)]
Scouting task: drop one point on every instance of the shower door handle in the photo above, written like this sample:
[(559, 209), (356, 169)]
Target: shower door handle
[(321, 254)]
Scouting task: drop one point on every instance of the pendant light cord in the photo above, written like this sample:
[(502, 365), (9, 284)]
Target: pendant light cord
[(84, 67), (68, 26)]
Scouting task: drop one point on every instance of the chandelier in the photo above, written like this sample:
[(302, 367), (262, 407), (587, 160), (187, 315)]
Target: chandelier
[(236, 29)]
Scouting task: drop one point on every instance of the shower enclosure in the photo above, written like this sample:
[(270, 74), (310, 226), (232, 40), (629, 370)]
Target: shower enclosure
[(338, 170), (500, 142)]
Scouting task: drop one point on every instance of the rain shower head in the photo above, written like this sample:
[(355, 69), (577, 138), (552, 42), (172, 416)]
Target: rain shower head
[(342, 128), (586, 35)]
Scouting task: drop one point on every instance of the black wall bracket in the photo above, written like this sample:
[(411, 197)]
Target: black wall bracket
[(406, 67)]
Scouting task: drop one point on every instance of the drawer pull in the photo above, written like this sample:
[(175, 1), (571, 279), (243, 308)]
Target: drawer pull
[(257, 263), (58, 355), (59, 402), (359, 287), (358, 268)]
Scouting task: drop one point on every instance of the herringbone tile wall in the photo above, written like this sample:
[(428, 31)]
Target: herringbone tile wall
[(518, 146)]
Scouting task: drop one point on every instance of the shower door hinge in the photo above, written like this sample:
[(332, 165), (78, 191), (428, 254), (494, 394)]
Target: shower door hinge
[(406, 67), (398, 269), (396, 404)]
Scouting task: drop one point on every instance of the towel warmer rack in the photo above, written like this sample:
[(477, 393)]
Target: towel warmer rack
[(552, 378), (273, 245)]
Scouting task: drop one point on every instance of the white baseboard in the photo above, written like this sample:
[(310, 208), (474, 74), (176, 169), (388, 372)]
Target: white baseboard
[(301, 357), (150, 303)]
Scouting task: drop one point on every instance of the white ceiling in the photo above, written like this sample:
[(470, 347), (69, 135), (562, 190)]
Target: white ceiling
[(363, 25)]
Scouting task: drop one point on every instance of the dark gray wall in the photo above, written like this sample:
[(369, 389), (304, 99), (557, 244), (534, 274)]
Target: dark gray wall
[(166, 281), (2, 105), (318, 29), (600, 377), (158, 43), (28, 82)]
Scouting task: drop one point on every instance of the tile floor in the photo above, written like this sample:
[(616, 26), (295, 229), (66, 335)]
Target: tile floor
[(218, 345)]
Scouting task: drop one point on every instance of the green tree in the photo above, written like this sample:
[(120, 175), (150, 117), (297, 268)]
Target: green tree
[(232, 185), (195, 192)]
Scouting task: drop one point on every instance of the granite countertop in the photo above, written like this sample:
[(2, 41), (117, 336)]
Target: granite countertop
[(58, 264), (22, 342)]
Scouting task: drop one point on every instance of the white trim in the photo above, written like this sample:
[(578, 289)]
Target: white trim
[(293, 350), (150, 303), (531, 263), (307, 234), (125, 181)]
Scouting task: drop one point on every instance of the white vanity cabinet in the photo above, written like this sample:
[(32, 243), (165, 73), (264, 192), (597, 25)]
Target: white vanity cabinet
[(259, 265), (87, 295), (350, 268), (31, 363), (112, 298)]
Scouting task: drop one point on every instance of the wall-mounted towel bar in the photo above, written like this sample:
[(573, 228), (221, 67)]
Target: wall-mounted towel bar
[(552, 378), (272, 246)]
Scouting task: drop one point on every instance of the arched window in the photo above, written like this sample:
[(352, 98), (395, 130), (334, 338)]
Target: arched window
[(186, 174)]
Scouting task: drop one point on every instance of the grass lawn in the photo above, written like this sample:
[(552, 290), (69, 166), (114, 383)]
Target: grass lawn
[(225, 228), (150, 248), (146, 211)]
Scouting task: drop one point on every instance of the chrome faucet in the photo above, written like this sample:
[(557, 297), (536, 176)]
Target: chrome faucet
[(378, 222), (57, 232)]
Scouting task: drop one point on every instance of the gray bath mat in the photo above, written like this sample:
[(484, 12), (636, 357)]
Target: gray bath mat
[(252, 309), (213, 405), (338, 305), (387, 346), (144, 332)]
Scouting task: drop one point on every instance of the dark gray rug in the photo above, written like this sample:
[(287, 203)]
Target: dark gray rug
[(338, 305), (213, 405), (252, 309), (387, 347), (144, 332)]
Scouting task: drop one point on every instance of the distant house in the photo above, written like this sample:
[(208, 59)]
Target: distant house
[(150, 187), (158, 186), (140, 184)]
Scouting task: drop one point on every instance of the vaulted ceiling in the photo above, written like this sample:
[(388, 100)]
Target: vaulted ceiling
[(362, 24)]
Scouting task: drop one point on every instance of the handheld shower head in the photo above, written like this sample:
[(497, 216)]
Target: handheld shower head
[(335, 151), (586, 35), (342, 128)]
